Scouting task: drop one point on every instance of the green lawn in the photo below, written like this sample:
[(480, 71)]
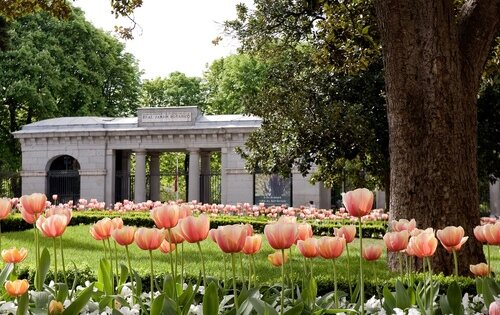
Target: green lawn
[(83, 250)]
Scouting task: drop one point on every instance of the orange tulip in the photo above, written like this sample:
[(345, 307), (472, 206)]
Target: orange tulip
[(174, 236), (5, 208), (480, 270), (149, 238), (287, 219), (494, 308), (372, 252), (34, 203), (53, 226), (117, 223), (16, 288), (308, 248), (452, 238), (28, 217), (281, 235), (276, 259), (331, 247), (68, 213), (55, 308), (304, 231), (167, 247), (252, 244), (348, 232), (124, 236), (396, 241), (101, 230), (358, 202), (479, 234), (211, 235), (249, 229), (231, 238), (195, 229), (184, 211), (403, 224), (424, 244), (14, 255), (165, 216), (492, 233)]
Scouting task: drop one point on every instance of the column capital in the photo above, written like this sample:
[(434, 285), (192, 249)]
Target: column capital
[(194, 150), (139, 151)]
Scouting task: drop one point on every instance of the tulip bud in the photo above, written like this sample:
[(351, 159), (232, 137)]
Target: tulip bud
[(55, 308)]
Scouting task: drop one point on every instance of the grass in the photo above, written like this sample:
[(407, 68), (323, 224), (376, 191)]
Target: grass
[(82, 250)]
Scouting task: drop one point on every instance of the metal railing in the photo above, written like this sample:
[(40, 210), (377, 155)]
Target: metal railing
[(10, 185), (66, 184)]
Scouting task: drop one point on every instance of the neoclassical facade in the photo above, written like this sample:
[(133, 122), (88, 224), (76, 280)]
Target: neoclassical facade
[(98, 151)]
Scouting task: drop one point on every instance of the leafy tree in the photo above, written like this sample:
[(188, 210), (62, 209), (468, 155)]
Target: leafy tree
[(232, 83), (175, 90), (62, 68)]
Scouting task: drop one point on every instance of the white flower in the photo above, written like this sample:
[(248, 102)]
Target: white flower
[(372, 304), (195, 310), (413, 311), (8, 307), (398, 311)]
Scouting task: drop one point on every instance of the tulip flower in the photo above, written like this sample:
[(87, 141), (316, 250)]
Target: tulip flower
[(479, 233), (308, 248), (372, 252), (211, 235), (149, 239), (304, 231), (184, 211), (34, 204), (53, 226), (276, 259), (331, 248), (452, 238), (494, 308), (249, 229), (167, 247), (348, 232), (396, 241), (5, 209), (403, 224), (175, 236), (287, 219), (68, 213), (117, 223), (16, 288), (101, 230), (166, 216), (480, 270), (492, 233), (281, 235), (195, 230), (55, 307), (253, 244), (14, 255)]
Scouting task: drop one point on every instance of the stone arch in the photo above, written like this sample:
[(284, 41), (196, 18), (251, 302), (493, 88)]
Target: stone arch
[(63, 178)]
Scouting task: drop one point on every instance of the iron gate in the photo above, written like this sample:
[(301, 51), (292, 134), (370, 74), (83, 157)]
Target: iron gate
[(64, 183)]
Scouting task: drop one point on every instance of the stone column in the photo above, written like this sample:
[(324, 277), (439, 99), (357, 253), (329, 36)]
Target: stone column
[(140, 176), (495, 198), (223, 175), (194, 175), (109, 196), (205, 170), (154, 175)]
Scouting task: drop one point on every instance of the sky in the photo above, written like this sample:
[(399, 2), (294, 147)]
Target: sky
[(172, 35)]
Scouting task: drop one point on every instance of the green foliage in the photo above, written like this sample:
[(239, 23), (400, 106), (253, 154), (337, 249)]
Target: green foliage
[(59, 68), (175, 90)]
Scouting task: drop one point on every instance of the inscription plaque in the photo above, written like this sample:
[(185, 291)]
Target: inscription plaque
[(170, 116)]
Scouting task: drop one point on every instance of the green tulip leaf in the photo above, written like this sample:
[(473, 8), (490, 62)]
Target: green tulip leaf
[(62, 292), (296, 310), (211, 299), (23, 304), (261, 307), (104, 280), (6, 271), (80, 302), (123, 274), (157, 305), (402, 298), (389, 300), (454, 298)]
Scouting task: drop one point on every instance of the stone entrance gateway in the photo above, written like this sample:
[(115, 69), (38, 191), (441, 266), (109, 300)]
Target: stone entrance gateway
[(102, 148)]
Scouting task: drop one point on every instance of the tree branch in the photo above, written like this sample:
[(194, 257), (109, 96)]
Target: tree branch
[(479, 21)]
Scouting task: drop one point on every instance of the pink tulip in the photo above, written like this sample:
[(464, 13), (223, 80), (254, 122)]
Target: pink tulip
[(117, 223), (101, 230), (149, 238), (452, 238), (358, 202), (167, 247), (252, 244), (308, 248), (174, 235), (28, 217), (184, 211), (34, 204), (124, 236), (249, 229), (52, 226), (331, 247), (480, 270), (277, 259), (372, 252), (396, 241), (195, 229), (231, 238), (348, 232), (494, 308), (287, 219), (67, 212), (492, 233), (5, 208), (16, 288), (403, 224), (424, 244), (166, 216), (479, 234), (304, 231), (281, 235)]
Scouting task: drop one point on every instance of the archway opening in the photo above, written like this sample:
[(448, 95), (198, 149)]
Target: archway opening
[(63, 179)]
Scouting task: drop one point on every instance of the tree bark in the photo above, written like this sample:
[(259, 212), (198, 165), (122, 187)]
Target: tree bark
[(433, 64)]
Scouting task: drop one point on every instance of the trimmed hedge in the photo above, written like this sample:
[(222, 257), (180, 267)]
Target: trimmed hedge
[(371, 229)]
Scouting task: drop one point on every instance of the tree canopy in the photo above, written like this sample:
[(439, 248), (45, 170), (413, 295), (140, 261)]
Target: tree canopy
[(175, 90)]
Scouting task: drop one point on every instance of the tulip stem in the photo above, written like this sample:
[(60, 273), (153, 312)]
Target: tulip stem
[(254, 271), (55, 261), (131, 274), (431, 302), (241, 267), (348, 270), (170, 254), (489, 260), (152, 275), (37, 254), (176, 262), (116, 262), (104, 246), (62, 261), (305, 272), (182, 262), (111, 262), (362, 289), (233, 263), (225, 267), (249, 272), (335, 283), (282, 280), (455, 261), (202, 265), (400, 258)]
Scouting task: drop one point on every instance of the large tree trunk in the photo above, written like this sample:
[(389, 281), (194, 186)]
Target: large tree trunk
[(433, 63)]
